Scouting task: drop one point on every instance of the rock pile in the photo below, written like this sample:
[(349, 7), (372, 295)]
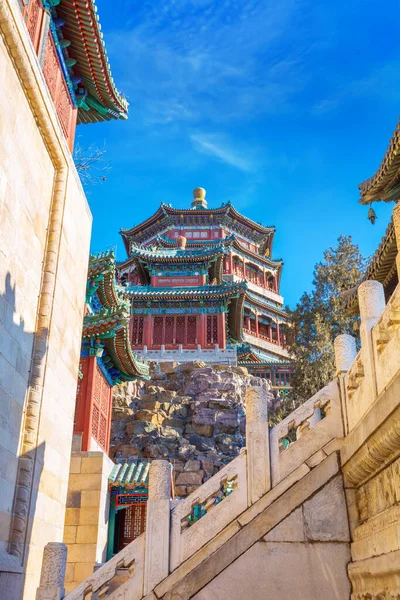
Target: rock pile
[(191, 414)]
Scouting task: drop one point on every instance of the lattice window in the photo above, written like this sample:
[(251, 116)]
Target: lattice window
[(134, 524), (158, 331), (191, 336), (139, 520), (180, 330), (97, 386), (101, 408), (137, 331), (212, 329), (169, 330), (102, 436), (95, 421)]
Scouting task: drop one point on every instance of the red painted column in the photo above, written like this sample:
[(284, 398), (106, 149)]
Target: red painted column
[(265, 280), (276, 284), (202, 329), (278, 333), (244, 269), (230, 262), (247, 322), (270, 331), (147, 331), (256, 324), (109, 418), (221, 331)]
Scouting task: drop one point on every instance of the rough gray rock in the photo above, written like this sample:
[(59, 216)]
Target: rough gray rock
[(191, 414)]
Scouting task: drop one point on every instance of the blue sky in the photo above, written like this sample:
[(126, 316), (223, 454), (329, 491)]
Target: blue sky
[(281, 106)]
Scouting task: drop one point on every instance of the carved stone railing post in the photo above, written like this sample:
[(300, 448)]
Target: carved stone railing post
[(345, 352), (257, 444), (396, 223), (371, 299), (345, 355), (157, 525), (53, 572)]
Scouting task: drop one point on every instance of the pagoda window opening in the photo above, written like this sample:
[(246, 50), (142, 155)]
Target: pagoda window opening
[(264, 329), (254, 274), (174, 330), (270, 282), (238, 267)]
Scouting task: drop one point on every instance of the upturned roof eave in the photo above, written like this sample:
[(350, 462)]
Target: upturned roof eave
[(384, 185), (87, 47), (381, 268)]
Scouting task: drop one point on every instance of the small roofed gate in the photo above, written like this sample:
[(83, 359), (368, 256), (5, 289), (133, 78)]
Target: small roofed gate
[(128, 484)]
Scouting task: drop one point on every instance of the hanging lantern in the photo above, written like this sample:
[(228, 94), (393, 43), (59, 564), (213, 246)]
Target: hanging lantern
[(372, 215)]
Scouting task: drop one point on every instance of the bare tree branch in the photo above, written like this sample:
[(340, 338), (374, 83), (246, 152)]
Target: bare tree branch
[(90, 164)]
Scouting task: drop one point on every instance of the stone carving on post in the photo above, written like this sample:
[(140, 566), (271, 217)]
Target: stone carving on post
[(157, 524), (371, 299), (345, 355), (345, 352), (53, 572), (257, 444)]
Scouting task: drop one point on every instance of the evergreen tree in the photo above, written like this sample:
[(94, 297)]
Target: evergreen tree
[(320, 316)]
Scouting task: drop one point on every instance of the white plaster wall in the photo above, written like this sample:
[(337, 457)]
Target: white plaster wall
[(26, 184), (26, 178)]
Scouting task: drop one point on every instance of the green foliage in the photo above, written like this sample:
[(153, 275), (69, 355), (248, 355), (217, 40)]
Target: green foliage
[(320, 316)]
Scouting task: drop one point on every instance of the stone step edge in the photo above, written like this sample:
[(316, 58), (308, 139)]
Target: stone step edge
[(246, 530)]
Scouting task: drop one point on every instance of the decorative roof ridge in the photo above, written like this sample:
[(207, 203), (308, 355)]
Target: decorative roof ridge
[(262, 257), (154, 252), (265, 303), (129, 231), (262, 228), (170, 243), (389, 167), (221, 288), (118, 96)]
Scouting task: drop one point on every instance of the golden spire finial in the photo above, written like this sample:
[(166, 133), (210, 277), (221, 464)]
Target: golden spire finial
[(199, 195)]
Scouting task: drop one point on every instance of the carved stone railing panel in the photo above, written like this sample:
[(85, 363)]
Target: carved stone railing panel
[(186, 540), (305, 431), (386, 343), (98, 584), (360, 394), (376, 578)]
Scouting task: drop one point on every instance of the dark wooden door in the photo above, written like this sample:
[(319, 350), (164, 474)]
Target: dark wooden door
[(132, 524)]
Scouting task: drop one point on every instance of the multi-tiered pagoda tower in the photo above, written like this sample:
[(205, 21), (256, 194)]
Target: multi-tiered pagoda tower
[(204, 286)]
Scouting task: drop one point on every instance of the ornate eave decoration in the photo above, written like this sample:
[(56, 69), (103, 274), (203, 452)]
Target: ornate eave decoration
[(212, 292), (385, 183), (106, 325), (382, 267), (226, 216), (101, 100)]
